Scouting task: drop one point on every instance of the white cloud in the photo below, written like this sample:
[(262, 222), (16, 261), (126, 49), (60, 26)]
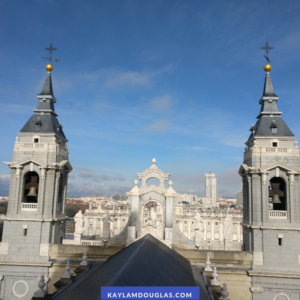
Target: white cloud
[(87, 173), (83, 188), (161, 125), (161, 104)]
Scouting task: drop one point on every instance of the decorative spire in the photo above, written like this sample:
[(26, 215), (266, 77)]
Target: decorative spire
[(268, 87), (47, 88)]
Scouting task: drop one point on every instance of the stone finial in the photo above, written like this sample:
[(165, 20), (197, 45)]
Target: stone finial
[(41, 293), (296, 144), (54, 140), (84, 262), (67, 274), (208, 267), (224, 292), (17, 139), (215, 276), (154, 161), (136, 182), (67, 146), (170, 183)]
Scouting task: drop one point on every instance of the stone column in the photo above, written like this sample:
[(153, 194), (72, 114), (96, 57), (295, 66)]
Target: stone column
[(111, 229), (249, 200), (238, 232), (94, 226), (291, 202), (221, 229), (189, 229), (55, 198), (101, 228), (119, 225)]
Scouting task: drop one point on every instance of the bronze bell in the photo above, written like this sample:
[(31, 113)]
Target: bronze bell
[(275, 199), (32, 192)]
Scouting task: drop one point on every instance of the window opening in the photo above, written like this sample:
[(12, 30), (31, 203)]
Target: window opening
[(36, 140), (280, 241), (25, 231), (274, 144)]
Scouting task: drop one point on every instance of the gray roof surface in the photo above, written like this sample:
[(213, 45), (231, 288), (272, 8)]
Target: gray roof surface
[(147, 262), (49, 125), (45, 112)]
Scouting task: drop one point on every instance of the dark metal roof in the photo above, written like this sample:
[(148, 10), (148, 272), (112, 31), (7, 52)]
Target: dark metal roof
[(47, 88), (44, 119), (147, 262), (268, 87)]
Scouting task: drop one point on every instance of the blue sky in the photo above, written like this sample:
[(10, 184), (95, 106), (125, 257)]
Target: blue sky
[(175, 80)]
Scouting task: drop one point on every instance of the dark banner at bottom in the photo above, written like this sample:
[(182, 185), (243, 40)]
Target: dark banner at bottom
[(151, 292)]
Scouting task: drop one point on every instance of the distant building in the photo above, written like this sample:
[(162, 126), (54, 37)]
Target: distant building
[(118, 197), (210, 199)]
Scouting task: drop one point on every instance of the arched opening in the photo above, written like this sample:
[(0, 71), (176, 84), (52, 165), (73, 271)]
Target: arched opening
[(60, 193), (31, 187), (277, 194), (153, 181)]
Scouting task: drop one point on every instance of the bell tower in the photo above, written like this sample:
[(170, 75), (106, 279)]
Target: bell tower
[(37, 195), (271, 207)]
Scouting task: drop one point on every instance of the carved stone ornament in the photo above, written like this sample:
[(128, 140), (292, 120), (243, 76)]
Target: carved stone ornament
[(256, 289)]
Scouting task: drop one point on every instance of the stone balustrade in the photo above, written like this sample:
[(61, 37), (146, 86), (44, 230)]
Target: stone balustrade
[(278, 214), (29, 206)]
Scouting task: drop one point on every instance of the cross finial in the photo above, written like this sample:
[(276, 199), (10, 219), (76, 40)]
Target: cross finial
[(50, 49), (267, 48)]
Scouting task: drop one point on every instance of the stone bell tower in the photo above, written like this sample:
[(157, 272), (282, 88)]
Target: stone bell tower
[(37, 195), (271, 190)]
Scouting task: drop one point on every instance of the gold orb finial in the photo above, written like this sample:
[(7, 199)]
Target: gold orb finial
[(49, 67), (267, 67)]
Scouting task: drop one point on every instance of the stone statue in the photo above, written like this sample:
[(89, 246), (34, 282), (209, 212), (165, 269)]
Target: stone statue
[(227, 227), (78, 218), (106, 219), (199, 228), (90, 206), (153, 215)]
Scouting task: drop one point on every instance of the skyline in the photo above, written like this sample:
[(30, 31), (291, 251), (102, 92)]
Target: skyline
[(176, 81)]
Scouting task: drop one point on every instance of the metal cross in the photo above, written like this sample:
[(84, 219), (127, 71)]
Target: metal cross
[(267, 48), (50, 49)]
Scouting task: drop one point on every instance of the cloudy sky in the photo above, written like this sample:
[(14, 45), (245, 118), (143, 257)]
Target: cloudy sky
[(175, 80)]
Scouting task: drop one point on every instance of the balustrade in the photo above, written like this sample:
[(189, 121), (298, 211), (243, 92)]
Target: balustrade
[(29, 206), (277, 214)]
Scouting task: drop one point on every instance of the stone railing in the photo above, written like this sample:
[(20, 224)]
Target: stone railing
[(29, 206), (31, 145), (58, 207), (277, 214), (91, 243)]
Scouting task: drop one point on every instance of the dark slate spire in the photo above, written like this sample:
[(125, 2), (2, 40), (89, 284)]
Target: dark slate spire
[(44, 118), (47, 88), (268, 88), (269, 117)]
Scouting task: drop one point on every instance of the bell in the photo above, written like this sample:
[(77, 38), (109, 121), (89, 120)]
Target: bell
[(32, 192), (275, 199)]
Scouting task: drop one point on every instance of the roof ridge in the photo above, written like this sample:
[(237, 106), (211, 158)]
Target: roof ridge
[(118, 274)]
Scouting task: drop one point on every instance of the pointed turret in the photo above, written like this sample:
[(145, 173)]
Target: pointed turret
[(44, 118), (270, 122), (47, 88)]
